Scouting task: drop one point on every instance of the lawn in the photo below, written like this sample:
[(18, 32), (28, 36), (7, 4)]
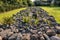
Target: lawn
[(54, 11), (9, 14)]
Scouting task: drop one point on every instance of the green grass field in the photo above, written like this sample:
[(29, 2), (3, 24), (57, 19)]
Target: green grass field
[(54, 11), (9, 14)]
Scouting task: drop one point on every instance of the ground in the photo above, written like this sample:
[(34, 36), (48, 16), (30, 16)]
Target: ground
[(55, 11)]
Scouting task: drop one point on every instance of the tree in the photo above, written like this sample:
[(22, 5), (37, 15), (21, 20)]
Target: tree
[(37, 2), (30, 3), (6, 5), (57, 2)]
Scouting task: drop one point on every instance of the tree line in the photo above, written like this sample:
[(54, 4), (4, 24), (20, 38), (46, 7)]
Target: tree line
[(47, 2), (7, 5)]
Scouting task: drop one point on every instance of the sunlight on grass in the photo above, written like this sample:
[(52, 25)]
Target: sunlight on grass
[(9, 14), (55, 11)]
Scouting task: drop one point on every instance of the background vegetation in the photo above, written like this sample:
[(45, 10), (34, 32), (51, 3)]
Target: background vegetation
[(7, 5), (47, 2)]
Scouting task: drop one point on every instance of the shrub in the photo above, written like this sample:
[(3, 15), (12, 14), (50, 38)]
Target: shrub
[(2, 9), (26, 19)]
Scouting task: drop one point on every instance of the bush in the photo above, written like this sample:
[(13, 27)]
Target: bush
[(2, 9), (26, 19), (7, 5)]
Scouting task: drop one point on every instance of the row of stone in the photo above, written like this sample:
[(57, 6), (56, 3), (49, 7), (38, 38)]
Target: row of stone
[(30, 24)]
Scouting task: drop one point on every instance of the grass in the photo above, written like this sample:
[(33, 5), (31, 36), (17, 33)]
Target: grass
[(9, 14), (54, 11)]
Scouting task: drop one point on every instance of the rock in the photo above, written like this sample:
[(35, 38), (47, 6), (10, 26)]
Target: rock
[(25, 36), (0, 38), (19, 36), (58, 29), (32, 27), (1, 29), (33, 31), (16, 36), (34, 37)]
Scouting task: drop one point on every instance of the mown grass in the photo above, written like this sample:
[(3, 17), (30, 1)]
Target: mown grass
[(9, 13), (54, 11)]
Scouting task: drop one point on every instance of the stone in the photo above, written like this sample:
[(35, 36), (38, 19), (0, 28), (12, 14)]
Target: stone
[(38, 23), (1, 29), (0, 38)]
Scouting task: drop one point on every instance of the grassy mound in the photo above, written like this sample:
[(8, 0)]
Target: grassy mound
[(55, 11), (9, 14)]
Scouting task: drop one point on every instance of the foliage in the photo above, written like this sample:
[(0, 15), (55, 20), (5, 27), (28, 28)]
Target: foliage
[(29, 2), (26, 19), (47, 2), (7, 5)]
